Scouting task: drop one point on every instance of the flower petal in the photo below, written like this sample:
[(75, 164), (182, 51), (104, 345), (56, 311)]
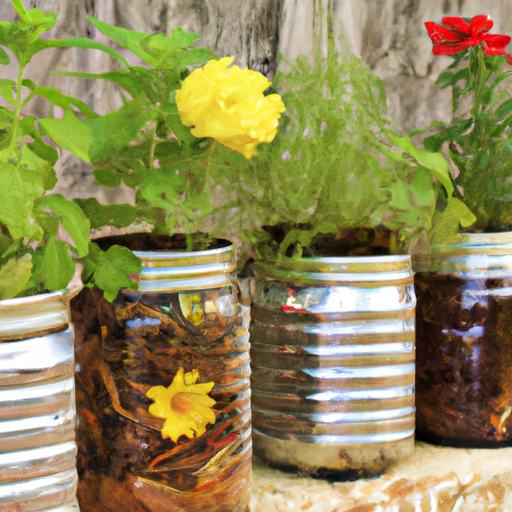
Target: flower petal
[(496, 41), (185, 406), (451, 48), (481, 24), (438, 33), (458, 24), (229, 105)]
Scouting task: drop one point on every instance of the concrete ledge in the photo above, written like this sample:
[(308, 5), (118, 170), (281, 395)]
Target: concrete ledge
[(432, 479)]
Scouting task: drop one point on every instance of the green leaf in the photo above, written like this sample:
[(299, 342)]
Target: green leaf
[(119, 215), (17, 195), (61, 100), (5, 243), (445, 79), (71, 133), (434, 142), (57, 267), (504, 109), (162, 43), (108, 177), (42, 171), (172, 120), (113, 270), (6, 90), (133, 80), (422, 188), (194, 57), (75, 42), (73, 220), (4, 58), (127, 39), (14, 276), (94, 139), (435, 162), (446, 224)]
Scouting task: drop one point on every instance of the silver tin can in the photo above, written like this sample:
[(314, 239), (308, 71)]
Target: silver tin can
[(37, 405), (333, 350)]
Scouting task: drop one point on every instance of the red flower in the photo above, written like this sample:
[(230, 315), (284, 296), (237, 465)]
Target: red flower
[(456, 34)]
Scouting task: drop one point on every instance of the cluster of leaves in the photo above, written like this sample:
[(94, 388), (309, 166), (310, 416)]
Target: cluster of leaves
[(337, 164), (479, 139), (42, 236), (144, 144)]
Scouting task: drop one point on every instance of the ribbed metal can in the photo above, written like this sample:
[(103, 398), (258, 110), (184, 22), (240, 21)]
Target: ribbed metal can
[(333, 351), (185, 318), (37, 405), (464, 340)]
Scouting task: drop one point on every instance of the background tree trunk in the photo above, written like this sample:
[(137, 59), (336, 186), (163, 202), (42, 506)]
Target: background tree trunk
[(388, 35)]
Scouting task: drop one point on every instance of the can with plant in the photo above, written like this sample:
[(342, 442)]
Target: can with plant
[(463, 284)]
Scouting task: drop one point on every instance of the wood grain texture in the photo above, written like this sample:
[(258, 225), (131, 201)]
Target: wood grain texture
[(387, 34)]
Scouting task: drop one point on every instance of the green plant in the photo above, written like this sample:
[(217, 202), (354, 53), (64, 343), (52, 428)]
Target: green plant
[(337, 164), (182, 177), (478, 139), (42, 236)]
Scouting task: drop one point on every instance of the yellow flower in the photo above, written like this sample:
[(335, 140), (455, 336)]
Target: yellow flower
[(184, 405), (228, 105)]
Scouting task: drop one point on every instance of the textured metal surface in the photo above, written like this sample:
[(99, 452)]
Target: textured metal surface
[(464, 341), (166, 271), (185, 315), (37, 408), (27, 316), (333, 362), (476, 256)]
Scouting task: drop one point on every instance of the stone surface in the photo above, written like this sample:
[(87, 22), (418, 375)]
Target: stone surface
[(433, 479)]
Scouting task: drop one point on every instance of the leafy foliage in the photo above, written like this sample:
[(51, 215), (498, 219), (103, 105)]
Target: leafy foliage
[(479, 141), (337, 164), (144, 144), (42, 236)]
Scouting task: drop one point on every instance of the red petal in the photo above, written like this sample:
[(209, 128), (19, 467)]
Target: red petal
[(451, 48), (496, 41), (439, 34), (481, 25), (493, 51), (457, 23)]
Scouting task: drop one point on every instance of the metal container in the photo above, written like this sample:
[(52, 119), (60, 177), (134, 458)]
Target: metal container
[(333, 364), (464, 338), (184, 317), (37, 405)]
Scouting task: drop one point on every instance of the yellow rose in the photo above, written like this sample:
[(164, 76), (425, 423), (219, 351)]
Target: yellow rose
[(228, 105)]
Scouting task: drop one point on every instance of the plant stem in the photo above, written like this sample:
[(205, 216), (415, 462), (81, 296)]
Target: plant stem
[(478, 78), (17, 108)]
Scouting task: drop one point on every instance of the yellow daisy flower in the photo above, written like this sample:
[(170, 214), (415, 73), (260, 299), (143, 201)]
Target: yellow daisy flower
[(228, 105), (185, 406)]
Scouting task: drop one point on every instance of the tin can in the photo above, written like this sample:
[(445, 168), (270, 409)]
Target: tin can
[(37, 405), (464, 339), (163, 387), (333, 366)]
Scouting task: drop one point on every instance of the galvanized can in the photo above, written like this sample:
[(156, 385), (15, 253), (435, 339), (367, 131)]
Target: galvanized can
[(333, 364), (464, 339), (37, 405), (179, 344)]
